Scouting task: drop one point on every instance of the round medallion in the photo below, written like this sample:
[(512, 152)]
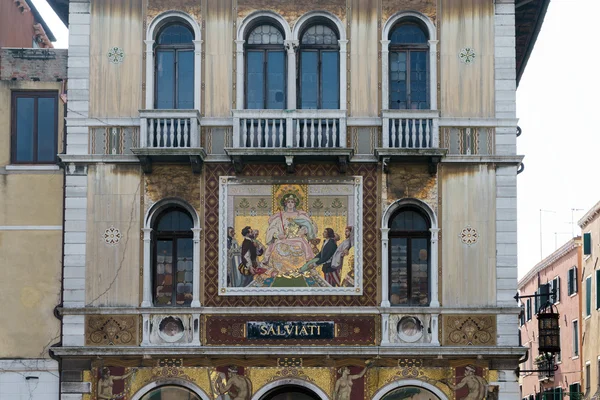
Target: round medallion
[(467, 55), (469, 235), (112, 236), (410, 329), (116, 55), (171, 329)]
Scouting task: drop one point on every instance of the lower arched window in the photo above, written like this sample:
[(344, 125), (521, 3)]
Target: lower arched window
[(173, 258), (171, 393), (409, 246)]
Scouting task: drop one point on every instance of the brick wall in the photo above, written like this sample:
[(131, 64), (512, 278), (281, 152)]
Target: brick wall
[(45, 65)]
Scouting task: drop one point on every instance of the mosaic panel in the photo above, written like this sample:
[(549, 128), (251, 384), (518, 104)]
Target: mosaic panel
[(470, 330), (112, 330)]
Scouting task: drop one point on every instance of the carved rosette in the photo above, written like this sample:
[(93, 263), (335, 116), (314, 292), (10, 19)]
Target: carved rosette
[(473, 330)]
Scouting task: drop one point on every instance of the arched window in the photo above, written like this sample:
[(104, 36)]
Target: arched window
[(174, 67), (319, 72), (409, 248), (290, 392), (171, 392), (173, 258), (409, 67), (265, 68)]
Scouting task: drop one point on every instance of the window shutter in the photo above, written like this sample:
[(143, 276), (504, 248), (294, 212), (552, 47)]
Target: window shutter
[(588, 296), (544, 290), (587, 244), (557, 287), (575, 283), (536, 302), (569, 282), (598, 297)]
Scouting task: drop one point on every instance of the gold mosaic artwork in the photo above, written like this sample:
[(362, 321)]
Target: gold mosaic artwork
[(469, 330), (111, 330), (316, 376)]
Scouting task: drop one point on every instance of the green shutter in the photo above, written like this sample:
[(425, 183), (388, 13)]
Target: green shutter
[(598, 296), (588, 296), (587, 244)]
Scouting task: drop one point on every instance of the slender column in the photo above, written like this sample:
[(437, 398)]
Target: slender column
[(434, 268), (385, 329), (198, 74), (343, 73), (149, 74), (147, 290), (433, 73), (435, 340), (385, 77), (240, 82), (291, 46), (196, 271), (145, 329), (196, 330), (385, 269)]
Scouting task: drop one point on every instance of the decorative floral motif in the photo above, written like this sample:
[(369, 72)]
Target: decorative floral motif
[(467, 55), (116, 55), (469, 330), (112, 330), (112, 236), (469, 235)]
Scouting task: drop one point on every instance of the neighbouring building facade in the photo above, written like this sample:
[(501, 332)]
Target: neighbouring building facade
[(590, 304), (291, 199), (31, 220), (562, 271), (22, 26)]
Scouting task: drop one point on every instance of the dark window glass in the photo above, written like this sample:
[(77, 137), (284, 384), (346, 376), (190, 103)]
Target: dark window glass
[(265, 68), (408, 68), (173, 259), (34, 127), (170, 393), (319, 69), (409, 259), (174, 87)]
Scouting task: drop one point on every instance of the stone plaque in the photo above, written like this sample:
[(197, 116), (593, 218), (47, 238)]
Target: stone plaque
[(290, 329)]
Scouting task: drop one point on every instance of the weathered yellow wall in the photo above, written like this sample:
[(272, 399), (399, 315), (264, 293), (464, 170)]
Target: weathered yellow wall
[(468, 272), (113, 200), (218, 58), (28, 199), (5, 97), (467, 90), (30, 289), (115, 89), (364, 64)]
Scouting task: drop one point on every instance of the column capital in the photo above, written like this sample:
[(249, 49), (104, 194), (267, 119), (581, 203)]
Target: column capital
[(291, 45), (239, 44), (147, 234)]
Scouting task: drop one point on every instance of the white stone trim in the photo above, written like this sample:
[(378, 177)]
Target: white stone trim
[(32, 167), (408, 382), (290, 382), (264, 14), (433, 267), (28, 364), (175, 382), (385, 42), (149, 220), (30, 227), (153, 29), (342, 41)]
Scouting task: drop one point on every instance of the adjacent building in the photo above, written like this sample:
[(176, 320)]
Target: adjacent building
[(562, 271), (22, 26)]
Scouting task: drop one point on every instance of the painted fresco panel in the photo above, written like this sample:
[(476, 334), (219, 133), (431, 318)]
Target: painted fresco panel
[(298, 243)]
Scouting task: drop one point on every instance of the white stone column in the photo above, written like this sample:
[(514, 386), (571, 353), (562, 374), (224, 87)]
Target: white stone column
[(145, 329), (435, 340), (291, 46), (240, 82), (385, 268), (196, 330), (343, 73), (385, 329), (433, 278), (432, 74), (149, 74), (385, 75), (147, 281), (197, 74), (196, 271)]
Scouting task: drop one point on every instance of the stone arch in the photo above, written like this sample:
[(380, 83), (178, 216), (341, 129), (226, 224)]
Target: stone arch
[(289, 382), (252, 17), (174, 382), (409, 382)]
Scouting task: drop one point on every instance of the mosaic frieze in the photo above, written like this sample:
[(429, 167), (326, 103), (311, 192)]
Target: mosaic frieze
[(469, 330), (112, 330)]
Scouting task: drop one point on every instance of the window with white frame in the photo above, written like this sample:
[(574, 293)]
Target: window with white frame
[(572, 281), (575, 338), (588, 296), (555, 287)]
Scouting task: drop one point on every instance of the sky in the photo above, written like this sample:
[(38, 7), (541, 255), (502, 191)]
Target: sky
[(558, 91)]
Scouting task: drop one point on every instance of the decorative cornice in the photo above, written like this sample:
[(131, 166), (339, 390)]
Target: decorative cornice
[(589, 216), (551, 259)]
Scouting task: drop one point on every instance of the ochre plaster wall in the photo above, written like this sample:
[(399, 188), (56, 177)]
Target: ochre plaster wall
[(115, 89), (468, 195), (113, 271), (292, 10), (28, 199), (30, 289), (467, 90)]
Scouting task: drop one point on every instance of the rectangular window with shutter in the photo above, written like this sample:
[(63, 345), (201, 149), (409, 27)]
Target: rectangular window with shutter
[(572, 281), (588, 296), (555, 287), (587, 244), (528, 310), (575, 338), (598, 295)]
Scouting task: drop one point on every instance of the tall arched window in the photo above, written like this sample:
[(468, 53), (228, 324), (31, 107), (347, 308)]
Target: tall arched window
[(319, 72), (174, 64), (409, 67), (409, 248), (265, 68), (173, 258), (170, 392)]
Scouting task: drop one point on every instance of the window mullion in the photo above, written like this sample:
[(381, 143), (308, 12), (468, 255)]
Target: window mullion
[(408, 83), (174, 272), (266, 78), (319, 81), (35, 129), (176, 80)]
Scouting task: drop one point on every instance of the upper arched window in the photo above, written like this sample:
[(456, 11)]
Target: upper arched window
[(409, 246), (265, 68), (409, 67), (174, 64), (319, 72), (171, 392), (173, 258)]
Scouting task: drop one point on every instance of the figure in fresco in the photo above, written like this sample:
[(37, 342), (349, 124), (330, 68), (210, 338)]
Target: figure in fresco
[(288, 236), (334, 277), (106, 382), (250, 251), (343, 386), (476, 385), (238, 387), (234, 258), (325, 256)]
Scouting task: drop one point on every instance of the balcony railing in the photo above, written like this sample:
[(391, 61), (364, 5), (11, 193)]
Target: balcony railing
[(169, 129), (410, 129), (289, 129)]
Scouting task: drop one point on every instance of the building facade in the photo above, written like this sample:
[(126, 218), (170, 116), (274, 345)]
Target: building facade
[(22, 26), (562, 270), (293, 199), (590, 304)]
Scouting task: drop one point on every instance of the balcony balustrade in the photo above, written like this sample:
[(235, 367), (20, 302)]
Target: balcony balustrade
[(410, 129), (169, 129)]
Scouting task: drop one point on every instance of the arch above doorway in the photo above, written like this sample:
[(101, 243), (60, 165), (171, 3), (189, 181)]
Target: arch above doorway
[(274, 390)]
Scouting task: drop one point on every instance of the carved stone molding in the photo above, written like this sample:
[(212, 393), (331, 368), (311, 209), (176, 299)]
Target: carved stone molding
[(112, 330), (469, 330)]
